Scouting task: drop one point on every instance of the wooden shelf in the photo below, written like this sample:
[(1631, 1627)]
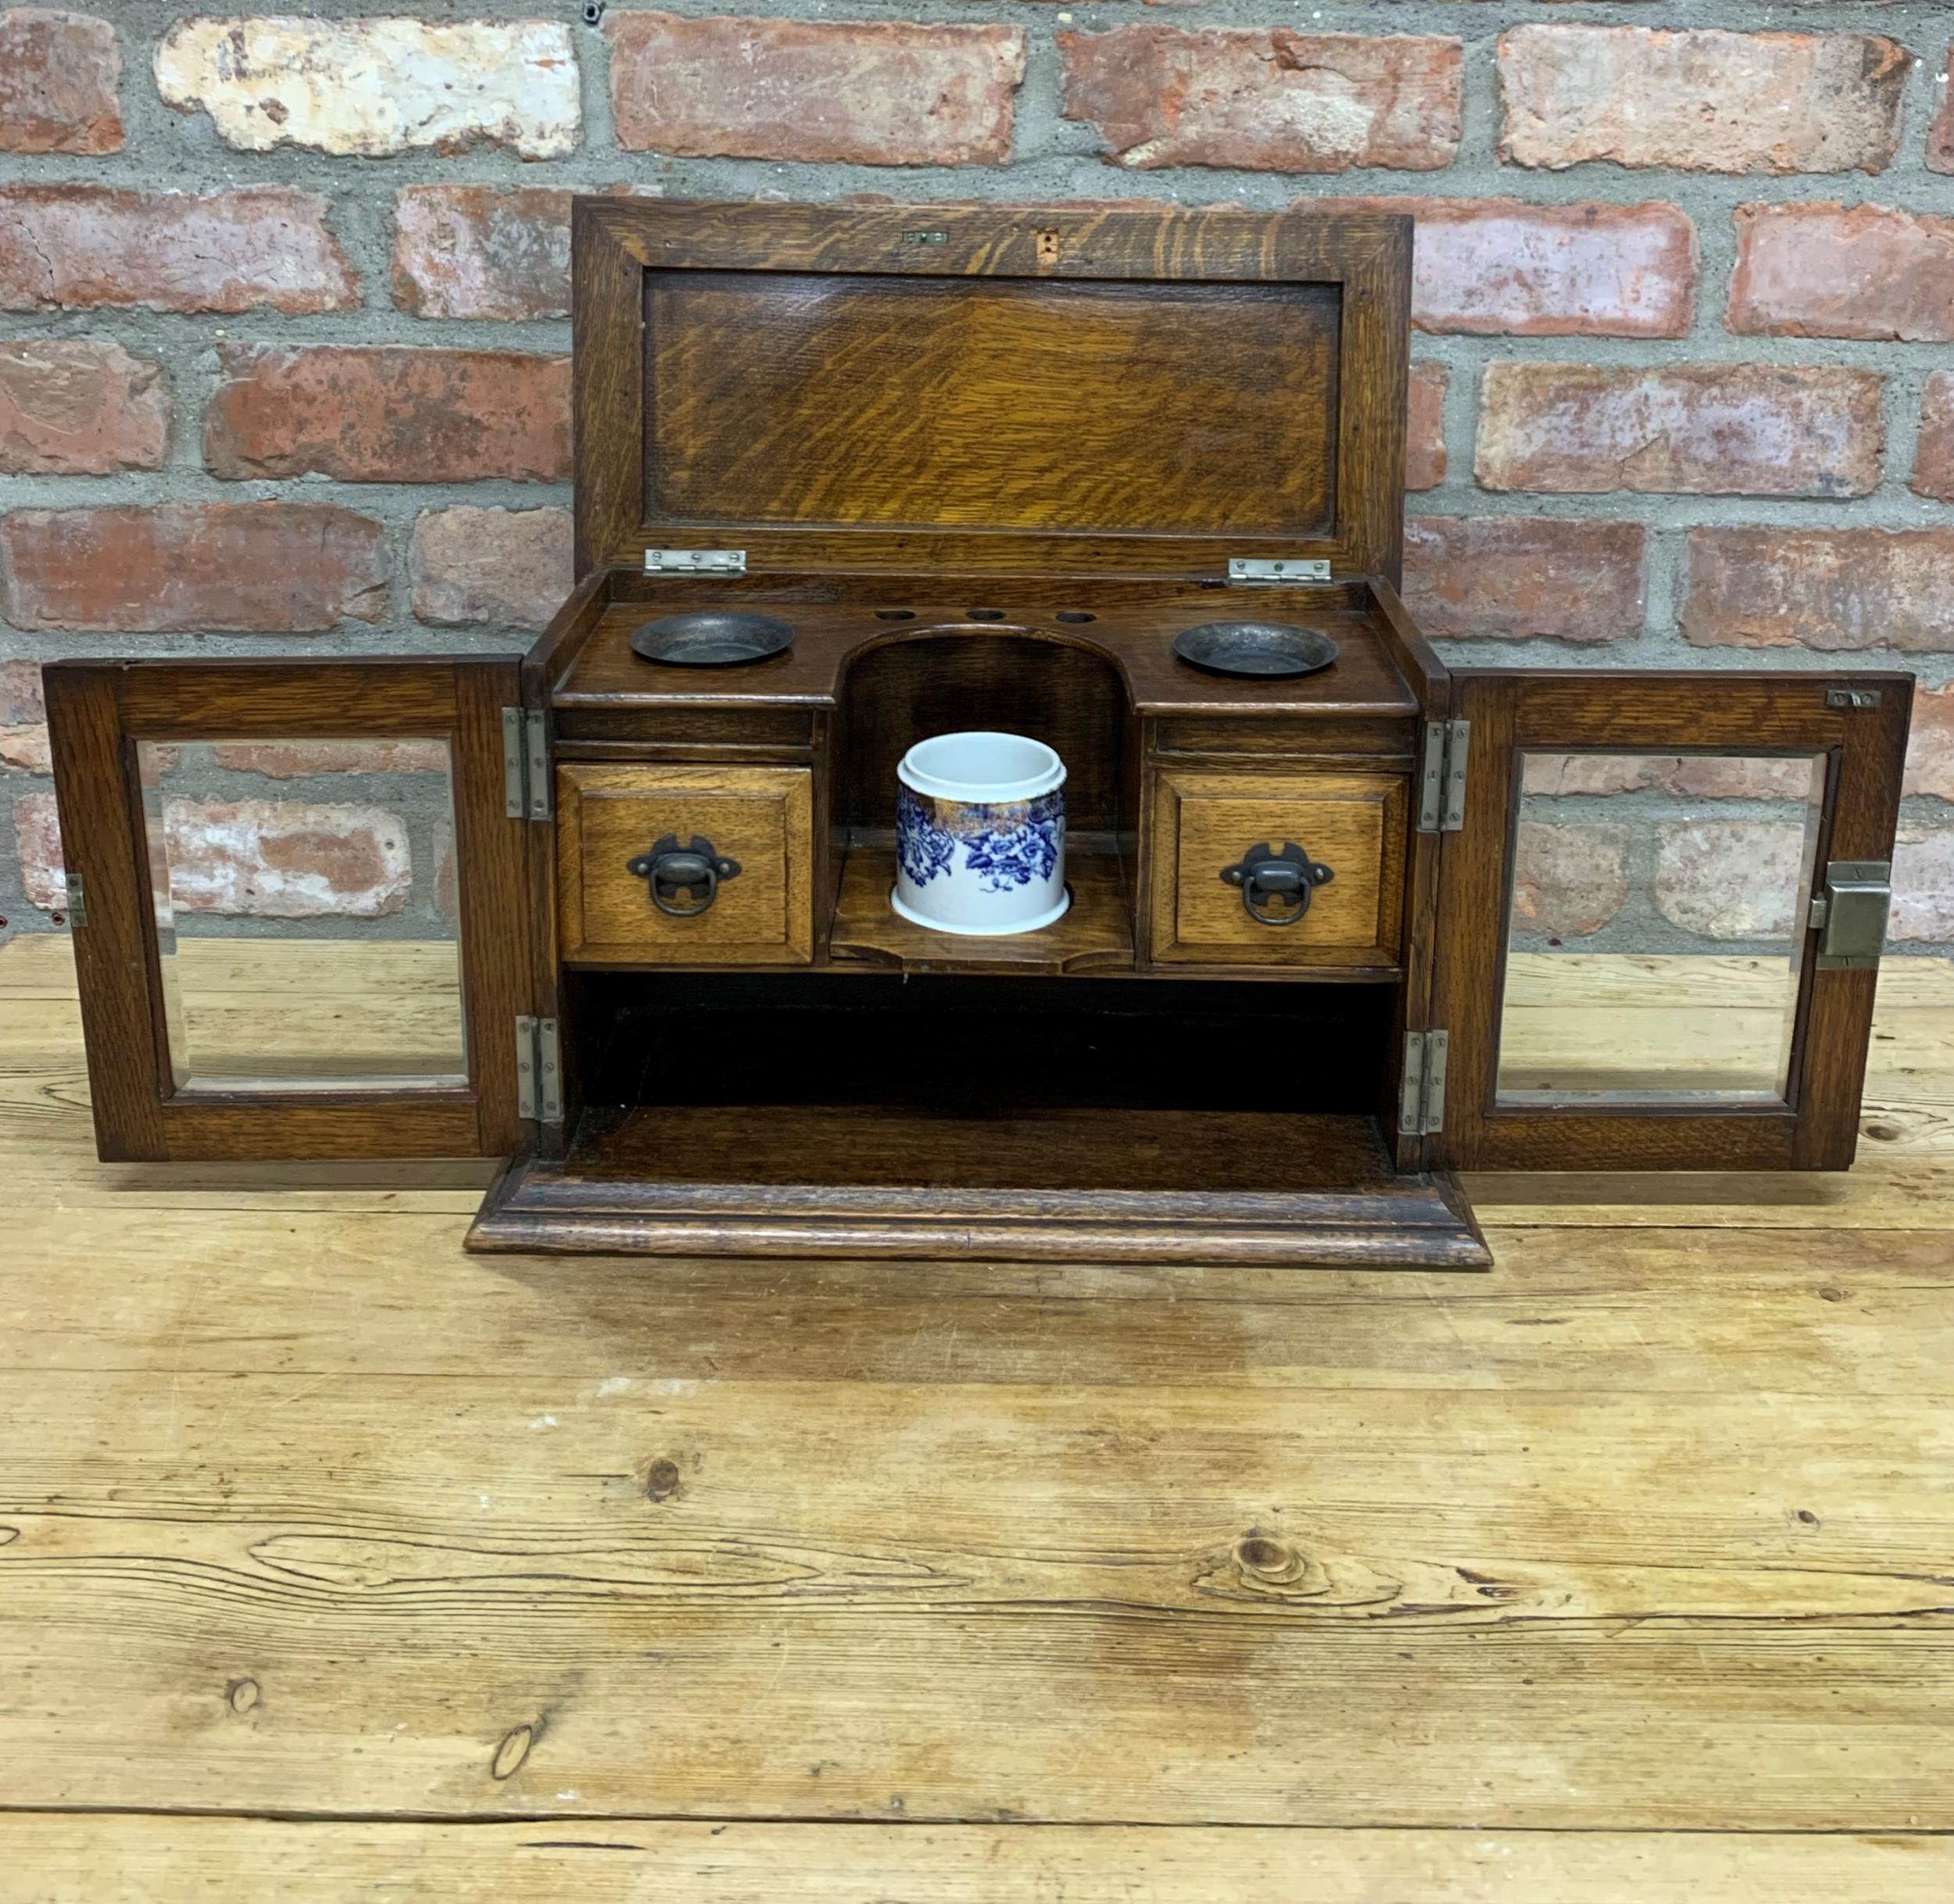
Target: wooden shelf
[(1095, 935), (1013, 1182)]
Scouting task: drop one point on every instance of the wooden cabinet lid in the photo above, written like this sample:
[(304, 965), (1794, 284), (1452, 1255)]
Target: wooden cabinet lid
[(1132, 390)]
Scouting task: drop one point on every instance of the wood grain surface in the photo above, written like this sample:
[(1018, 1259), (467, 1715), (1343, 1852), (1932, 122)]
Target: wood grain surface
[(761, 818), (321, 1862), (990, 388), (1620, 1571), (1353, 823)]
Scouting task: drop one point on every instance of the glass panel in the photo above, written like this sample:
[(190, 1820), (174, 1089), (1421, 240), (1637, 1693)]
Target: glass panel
[(306, 913), (1656, 926)]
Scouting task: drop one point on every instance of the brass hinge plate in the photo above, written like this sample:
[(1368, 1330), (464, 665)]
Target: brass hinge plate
[(539, 1071), (525, 764), (1421, 1097), (1441, 777), (1246, 572), (695, 561), (77, 907)]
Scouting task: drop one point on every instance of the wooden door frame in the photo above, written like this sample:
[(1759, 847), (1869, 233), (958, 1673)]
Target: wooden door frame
[(1567, 710), (97, 710)]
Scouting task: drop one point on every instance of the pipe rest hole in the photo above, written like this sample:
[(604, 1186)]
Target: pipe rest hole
[(895, 614), (985, 615), (1076, 615)]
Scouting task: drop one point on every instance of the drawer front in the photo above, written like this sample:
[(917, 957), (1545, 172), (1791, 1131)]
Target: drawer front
[(761, 818), (1204, 823)]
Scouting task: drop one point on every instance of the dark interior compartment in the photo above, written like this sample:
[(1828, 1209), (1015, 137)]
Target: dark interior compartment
[(975, 1045)]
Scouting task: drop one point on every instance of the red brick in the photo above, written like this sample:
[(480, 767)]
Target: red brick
[(1499, 266), (1836, 271), (1923, 884), (1933, 458), (1835, 590), (505, 567), (1568, 881), (37, 837), (1698, 776), (1930, 744), (1425, 428), (286, 859), (379, 85), (258, 247), (1714, 429), (189, 567), (1515, 577), (1940, 136), (485, 250), (853, 91), (23, 721), (299, 760), (1700, 101), (58, 73), (380, 413), (1730, 880), (70, 407), (1265, 100)]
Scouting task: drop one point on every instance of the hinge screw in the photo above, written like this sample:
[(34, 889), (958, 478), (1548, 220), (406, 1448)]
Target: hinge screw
[(593, 13)]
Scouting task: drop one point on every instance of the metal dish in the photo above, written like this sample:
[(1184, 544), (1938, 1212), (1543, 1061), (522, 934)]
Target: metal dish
[(1264, 648), (717, 638)]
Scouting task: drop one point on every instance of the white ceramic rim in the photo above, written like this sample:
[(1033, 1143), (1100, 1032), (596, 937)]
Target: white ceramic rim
[(983, 931), (914, 772)]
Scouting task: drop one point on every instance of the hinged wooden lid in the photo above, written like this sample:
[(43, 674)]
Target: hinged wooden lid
[(945, 388)]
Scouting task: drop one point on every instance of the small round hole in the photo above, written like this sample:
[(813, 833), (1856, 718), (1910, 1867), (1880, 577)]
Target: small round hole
[(985, 615), (1076, 614), (895, 614)]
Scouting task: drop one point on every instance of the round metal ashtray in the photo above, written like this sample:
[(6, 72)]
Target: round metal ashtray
[(1267, 649), (716, 638)]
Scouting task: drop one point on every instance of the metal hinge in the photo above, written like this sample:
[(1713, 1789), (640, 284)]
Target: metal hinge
[(539, 1071), (1442, 776), (1421, 1096), (695, 561), (525, 764), (1851, 697), (1243, 569), (1852, 913), (77, 908)]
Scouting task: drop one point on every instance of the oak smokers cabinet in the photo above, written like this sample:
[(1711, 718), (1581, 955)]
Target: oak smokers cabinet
[(626, 925)]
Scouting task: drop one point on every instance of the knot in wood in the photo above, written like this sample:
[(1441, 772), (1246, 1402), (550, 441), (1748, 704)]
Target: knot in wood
[(1266, 1558)]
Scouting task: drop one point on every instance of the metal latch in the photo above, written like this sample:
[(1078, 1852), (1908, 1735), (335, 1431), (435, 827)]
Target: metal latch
[(538, 1070), (77, 908), (1442, 776), (1243, 569), (695, 561), (1852, 913), (1421, 1097), (525, 764)]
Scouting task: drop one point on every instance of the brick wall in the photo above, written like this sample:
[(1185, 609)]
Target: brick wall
[(282, 341)]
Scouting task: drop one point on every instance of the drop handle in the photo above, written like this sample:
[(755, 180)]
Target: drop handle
[(1276, 887), (670, 871)]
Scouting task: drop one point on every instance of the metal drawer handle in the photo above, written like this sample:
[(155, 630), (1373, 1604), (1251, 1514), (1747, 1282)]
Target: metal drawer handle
[(1276, 887), (670, 870)]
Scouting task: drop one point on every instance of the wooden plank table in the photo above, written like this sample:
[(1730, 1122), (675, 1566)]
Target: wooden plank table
[(334, 1558)]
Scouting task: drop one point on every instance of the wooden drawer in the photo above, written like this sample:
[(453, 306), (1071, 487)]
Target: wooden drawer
[(1352, 822), (761, 817)]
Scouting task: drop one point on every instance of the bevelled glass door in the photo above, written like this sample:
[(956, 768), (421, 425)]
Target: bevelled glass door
[(1659, 922), (305, 926)]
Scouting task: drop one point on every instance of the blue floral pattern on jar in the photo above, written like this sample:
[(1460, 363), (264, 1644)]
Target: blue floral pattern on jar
[(1007, 846)]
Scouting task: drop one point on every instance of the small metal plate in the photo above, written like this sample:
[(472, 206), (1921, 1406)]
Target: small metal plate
[(1266, 649), (715, 639)]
